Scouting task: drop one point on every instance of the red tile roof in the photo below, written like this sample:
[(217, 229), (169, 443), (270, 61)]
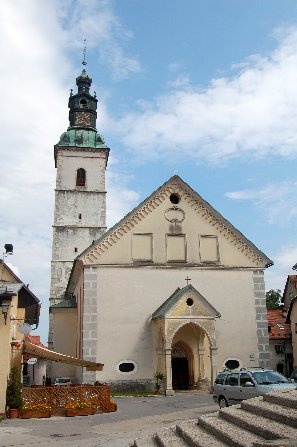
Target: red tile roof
[(278, 329), (35, 340)]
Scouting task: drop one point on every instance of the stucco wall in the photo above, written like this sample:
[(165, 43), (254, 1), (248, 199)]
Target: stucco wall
[(64, 341), (193, 227), (10, 356), (127, 298), (80, 212)]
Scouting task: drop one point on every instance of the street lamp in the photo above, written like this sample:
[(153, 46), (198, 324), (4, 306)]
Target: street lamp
[(5, 307), (8, 251)]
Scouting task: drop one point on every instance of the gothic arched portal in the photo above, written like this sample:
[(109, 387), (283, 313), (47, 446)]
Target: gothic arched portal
[(182, 366), (190, 358)]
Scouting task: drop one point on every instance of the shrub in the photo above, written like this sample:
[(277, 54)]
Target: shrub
[(14, 390)]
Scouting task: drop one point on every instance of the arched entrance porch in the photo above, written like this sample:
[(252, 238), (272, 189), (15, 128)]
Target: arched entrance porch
[(190, 358)]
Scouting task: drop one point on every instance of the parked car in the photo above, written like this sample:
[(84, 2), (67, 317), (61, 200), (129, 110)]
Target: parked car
[(231, 387), (294, 375), (65, 381)]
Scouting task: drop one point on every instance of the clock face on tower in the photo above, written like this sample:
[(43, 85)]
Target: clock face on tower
[(83, 119)]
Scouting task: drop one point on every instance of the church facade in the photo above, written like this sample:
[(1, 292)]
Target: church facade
[(172, 288)]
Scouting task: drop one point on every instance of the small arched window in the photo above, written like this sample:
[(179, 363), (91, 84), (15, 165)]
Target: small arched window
[(81, 177), (83, 103)]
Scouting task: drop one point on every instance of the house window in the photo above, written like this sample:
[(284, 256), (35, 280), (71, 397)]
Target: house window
[(295, 328), (81, 177), (279, 349)]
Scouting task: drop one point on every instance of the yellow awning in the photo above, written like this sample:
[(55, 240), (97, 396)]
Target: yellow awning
[(44, 353)]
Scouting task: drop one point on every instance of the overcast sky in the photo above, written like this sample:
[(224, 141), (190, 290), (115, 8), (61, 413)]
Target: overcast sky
[(207, 89)]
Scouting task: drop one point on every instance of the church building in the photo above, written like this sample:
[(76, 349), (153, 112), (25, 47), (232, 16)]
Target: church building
[(172, 288)]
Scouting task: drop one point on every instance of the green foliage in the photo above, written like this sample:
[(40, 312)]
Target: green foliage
[(273, 299), (159, 378), (14, 390)]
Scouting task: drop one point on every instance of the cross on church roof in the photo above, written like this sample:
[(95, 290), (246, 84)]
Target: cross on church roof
[(188, 279)]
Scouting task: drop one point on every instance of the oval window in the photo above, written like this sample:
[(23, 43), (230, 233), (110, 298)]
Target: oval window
[(127, 367), (190, 302), (232, 364)]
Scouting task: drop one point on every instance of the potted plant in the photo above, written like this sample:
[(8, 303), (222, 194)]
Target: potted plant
[(14, 399), (36, 411), (78, 409), (159, 378)]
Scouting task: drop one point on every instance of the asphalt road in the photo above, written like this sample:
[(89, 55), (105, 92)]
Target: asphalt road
[(135, 417)]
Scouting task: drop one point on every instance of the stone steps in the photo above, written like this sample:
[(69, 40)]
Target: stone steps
[(266, 428), (270, 420), (196, 436), (231, 434), (273, 411)]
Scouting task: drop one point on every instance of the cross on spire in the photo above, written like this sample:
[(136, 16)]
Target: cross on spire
[(188, 279)]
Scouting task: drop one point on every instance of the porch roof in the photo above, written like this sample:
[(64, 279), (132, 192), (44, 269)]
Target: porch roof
[(166, 307), (44, 353)]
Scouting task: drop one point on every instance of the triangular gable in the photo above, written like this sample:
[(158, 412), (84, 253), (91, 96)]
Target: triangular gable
[(175, 303), (174, 185)]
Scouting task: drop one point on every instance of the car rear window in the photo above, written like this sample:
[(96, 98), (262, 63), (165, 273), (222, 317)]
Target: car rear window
[(268, 377)]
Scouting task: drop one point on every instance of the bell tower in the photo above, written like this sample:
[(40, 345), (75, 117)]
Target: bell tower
[(81, 158)]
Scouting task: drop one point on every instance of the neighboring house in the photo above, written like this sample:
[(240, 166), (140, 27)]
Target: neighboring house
[(289, 300), (64, 316), (34, 374), (19, 305), (292, 316), (173, 287), (281, 354), (292, 320), (290, 290)]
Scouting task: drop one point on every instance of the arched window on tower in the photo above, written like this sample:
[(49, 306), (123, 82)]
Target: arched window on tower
[(81, 177), (83, 103)]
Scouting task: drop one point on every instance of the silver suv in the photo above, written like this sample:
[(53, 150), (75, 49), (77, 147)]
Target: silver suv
[(231, 387)]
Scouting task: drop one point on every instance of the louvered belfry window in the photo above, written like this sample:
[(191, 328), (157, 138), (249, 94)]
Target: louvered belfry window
[(81, 177)]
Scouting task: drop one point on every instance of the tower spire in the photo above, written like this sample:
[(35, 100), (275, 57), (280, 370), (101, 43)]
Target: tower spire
[(84, 62)]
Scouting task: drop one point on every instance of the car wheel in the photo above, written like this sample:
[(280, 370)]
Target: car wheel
[(223, 402)]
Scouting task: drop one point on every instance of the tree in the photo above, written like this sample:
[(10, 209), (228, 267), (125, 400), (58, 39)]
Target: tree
[(273, 299), (14, 390)]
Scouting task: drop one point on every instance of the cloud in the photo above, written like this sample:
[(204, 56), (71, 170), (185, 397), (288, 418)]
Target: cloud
[(104, 32), (284, 260), (249, 115), (36, 74), (120, 199), (278, 200)]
